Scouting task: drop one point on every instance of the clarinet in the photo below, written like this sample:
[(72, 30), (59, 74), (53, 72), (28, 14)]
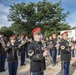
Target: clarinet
[(48, 49)]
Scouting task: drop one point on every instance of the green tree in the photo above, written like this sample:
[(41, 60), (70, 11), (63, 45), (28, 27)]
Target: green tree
[(6, 31), (50, 17)]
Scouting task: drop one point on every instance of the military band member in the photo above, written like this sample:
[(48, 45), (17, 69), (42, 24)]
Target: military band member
[(72, 47), (22, 51), (75, 46), (54, 49), (58, 44), (47, 41), (2, 54), (50, 40), (37, 56), (12, 58), (26, 45), (65, 54)]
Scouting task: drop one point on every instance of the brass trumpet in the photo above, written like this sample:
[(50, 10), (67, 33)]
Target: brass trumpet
[(22, 43)]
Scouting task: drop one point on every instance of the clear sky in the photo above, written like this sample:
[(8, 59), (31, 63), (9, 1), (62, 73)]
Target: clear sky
[(68, 5)]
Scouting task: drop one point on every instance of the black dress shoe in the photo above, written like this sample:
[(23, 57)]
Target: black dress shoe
[(3, 70), (21, 64), (24, 64)]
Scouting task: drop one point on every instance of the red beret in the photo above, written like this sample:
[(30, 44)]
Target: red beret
[(13, 36), (36, 30), (64, 33)]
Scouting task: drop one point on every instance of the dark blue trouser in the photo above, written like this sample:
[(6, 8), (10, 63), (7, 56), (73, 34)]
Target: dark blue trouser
[(50, 52), (72, 52), (54, 54), (22, 59), (12, 67), (2, 62), (40, 73), (66, 68), (26, 52)]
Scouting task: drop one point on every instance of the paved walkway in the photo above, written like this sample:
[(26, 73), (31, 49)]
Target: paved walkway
[(50, 70)]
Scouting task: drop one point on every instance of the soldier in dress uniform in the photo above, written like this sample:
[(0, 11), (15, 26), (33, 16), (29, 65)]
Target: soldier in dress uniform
[(12, 58), (47, 41), (36, 54), (72, 47), (50, 40), (54, 49), (65, 54), (75, 46), (2, 54), (22, 50), (26, 45), (58, 44)]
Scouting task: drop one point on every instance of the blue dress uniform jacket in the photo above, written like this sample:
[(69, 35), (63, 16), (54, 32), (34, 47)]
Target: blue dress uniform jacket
[(65, 51), (12, 53), (26, 45), (22, 49), (54, 42), (36, 55)]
